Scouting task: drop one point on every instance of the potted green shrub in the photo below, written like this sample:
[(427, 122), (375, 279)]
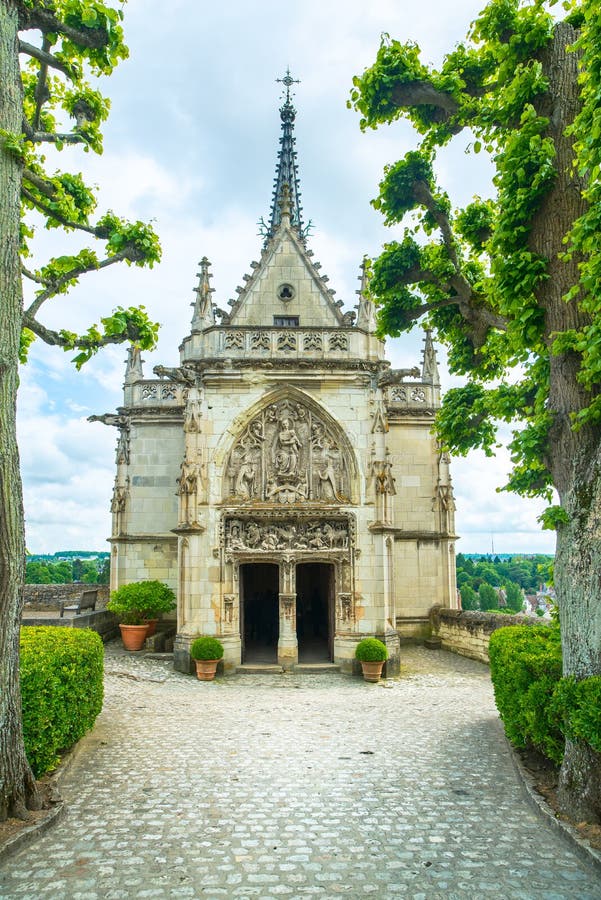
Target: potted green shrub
[(372, 654), (206, 651), (138, 604)]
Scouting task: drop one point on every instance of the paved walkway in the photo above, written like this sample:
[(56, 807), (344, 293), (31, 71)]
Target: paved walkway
[(292, 786)]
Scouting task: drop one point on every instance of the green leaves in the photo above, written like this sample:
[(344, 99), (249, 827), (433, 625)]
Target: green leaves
[(552, 517), (131, 324), (464, 422), (397, 189), (395, 64), (135, 241)]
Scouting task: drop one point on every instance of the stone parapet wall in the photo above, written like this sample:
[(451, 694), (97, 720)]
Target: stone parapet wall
[(49, 596), (468, 632)]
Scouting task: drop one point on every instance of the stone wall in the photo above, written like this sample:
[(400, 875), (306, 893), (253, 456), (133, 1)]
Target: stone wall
[(467, 632), (48, 596)]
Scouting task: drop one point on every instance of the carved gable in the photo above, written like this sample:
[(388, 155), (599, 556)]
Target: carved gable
[(286, 285), (289, 453)]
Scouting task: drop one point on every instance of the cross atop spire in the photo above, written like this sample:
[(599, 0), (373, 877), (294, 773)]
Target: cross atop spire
[(288, 81), (286, 172)]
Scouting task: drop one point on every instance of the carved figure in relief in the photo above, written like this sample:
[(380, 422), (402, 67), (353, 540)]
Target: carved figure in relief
[(188, 488), (286, 536), (245, 480), (328, 477), (119, 504), (286, 457), (119, 499)]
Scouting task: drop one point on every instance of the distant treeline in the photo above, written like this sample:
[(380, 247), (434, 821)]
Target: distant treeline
[(479, 576), (66, 567)]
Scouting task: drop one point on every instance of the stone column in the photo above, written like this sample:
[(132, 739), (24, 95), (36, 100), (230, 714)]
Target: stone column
[(287, 642)]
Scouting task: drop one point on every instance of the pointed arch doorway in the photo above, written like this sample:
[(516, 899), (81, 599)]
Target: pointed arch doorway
[(315, 612)]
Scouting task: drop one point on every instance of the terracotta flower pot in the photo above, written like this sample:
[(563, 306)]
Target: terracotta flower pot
[(151, 627), (372, 670), (205, 669), (133, 636)]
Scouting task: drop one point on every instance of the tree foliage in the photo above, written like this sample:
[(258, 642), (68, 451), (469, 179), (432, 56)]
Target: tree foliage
[(471, 272), (51, 55), (511, 284), (79, 40)]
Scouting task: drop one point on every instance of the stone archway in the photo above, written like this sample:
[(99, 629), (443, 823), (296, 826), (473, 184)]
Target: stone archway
[(289, 451)]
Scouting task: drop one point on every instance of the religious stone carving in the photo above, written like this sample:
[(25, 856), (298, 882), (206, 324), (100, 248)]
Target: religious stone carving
[(287, 535), (192, 415), (168, 392), (287, 455), (189, 488), (398, 395), (119, 503), (122, 457), (418, 395), (338, 341)]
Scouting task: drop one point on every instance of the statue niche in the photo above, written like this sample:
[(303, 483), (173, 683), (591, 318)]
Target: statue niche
[(287, 454)]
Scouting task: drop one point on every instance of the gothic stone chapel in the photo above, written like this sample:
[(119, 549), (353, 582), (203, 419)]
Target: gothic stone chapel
[(284, 478)]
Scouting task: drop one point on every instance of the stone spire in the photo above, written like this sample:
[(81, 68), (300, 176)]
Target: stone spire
[(204, 315), (366, 317), (286, 169), (133, 366), (430, 373)]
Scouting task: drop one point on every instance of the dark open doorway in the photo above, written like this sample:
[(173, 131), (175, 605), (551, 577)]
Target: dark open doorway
[(259, 612), (314, 611)]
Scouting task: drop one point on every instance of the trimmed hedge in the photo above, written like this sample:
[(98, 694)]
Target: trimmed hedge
[(61, 690), (538, 707), (371, 650)]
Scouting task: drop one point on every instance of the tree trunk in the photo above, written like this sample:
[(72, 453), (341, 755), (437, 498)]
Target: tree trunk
[(17, 786), (573, 457), (577, 581)]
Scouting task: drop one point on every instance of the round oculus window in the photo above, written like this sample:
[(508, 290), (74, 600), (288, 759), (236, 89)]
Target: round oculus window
[(285, 292)]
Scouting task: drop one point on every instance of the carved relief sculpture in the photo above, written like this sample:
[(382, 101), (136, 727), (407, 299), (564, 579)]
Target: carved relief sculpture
[(287, 455), (119, 504), (189, 487), (286, 535)]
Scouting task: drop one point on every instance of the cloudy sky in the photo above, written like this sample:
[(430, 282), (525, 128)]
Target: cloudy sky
[(191, 143)]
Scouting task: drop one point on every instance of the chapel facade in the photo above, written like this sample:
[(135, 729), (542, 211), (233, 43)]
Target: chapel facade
[(283, 479)]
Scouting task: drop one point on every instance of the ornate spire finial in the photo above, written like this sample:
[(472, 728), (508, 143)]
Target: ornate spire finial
[(429, 362), (203, 316), (286, 169), (288, 81), (366, 317), (133, 367)]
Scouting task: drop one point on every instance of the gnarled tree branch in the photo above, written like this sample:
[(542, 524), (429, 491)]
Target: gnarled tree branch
[(56, 215), (44, 20), (55, 286), (422, 93), (44, 57)]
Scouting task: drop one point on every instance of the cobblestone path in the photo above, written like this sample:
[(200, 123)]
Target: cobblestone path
[(297, 786)]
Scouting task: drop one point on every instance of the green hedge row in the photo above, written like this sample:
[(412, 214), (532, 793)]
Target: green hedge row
[(538, 707), (61, 690)]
